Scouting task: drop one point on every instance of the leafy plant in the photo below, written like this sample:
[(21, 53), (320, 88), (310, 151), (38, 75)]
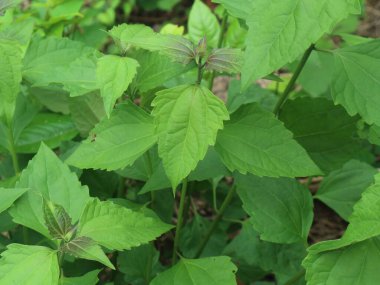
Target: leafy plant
[(120, 164)]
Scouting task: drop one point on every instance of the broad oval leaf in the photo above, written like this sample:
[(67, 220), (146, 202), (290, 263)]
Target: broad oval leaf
[(117, 227), (25, 264), (272, 44), (118, 141), (90, 278), (356, 80), (114, 75), (48, 177), (255, 141), (206, 271), (188, 119), (8, 196), (281, 209)]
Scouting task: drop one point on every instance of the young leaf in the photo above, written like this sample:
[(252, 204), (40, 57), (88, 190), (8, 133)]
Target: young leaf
[(117, 227), (114, 74), (203, 23), (86, 248), (255, 141), (326, 131), (25, 264), (342, 188), (57, 220), (299, 24), (357, 81), (48, 177), (118, 141), (176, 47), (8, 196), (225, 60), (10, 77), (212, 271), (282, 203), (188, 118)]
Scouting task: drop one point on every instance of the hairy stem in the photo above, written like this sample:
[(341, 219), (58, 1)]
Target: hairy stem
[(215, 223), (200, 72), (179, 220), (220, 44), (293, 80)]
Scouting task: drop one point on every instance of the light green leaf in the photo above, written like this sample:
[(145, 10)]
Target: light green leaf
[(90, 278), (176, 47), (326, 131), (20, 31), (342, 188), (117, 227), (86, 248), (118, 141), (356, 80), (238, 8), (155, 69), (114, 74), (255, 141), (188, 118), (351, 265), (49, 178), (8, 196), (270, 45), (10, 77), (24, 264), (281, 209), (206, 271), (203, 23), (52, 129)]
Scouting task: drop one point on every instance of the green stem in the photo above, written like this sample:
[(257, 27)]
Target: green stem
[(296, 278), (179, 220), (293, 80), (200, 73), (148, 272), (61, 257), (215, 223), (220, 44), (149, 171), (12, 149)]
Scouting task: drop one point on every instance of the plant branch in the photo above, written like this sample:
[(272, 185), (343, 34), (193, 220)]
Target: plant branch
[(215, 223), (12, 149), (220, 44), (179, 220), (293, 80)]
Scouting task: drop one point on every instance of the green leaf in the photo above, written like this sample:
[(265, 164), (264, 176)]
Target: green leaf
[(282, 203), (117, 227), (299, 24), (255, 141), (206, 271), (326, 131), (49, 178), (24, 264), (331, 267), (176, 47), (60, 60), (114, 74), (9, 196), (86, 248), (57, 220), (10, 77), (139, 264), (358, 246), (118, 141), (238, 8), (20, 31), (203, 23), (342, 188), (52, 129), (188, 118), (155, 69), (90, 278), (225, 60), (357, 81)]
